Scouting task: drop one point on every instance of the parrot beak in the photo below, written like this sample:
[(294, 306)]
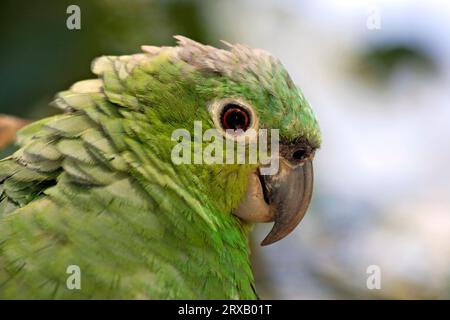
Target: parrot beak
[(289, 194), (282, 198)]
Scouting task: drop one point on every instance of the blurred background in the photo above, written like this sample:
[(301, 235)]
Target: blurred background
[(377, 74)]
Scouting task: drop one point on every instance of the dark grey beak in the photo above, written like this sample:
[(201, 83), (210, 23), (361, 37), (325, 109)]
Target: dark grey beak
[(288, 194)]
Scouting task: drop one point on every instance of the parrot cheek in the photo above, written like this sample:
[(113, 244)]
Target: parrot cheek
[(282, 198), (254, 207)]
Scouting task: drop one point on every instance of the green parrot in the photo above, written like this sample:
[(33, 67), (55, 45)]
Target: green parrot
[(95, 188)]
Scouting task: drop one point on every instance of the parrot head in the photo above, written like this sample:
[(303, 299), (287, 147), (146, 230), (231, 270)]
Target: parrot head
[(234, 92)]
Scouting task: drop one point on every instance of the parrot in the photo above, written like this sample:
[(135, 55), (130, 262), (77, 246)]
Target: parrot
[(93, 191)]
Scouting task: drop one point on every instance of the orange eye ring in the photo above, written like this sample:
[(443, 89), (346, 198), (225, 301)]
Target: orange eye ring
[(235, 117)]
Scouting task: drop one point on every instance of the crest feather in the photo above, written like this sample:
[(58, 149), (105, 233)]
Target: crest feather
[(231, 62)]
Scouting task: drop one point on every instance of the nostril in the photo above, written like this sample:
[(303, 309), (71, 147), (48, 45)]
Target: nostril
[(299, 154), (296, 151)]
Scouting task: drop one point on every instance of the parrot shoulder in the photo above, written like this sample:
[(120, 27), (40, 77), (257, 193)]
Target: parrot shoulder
[(82, 143)]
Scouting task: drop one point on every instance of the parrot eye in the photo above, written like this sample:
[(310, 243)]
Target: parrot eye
[(235, 117)]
